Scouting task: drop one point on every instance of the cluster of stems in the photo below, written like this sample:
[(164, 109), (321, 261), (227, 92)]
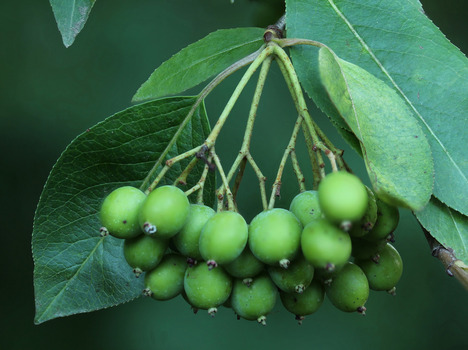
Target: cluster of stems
[(316, 141)]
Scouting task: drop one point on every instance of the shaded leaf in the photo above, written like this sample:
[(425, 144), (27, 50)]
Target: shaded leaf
[(200, 61), (446, 225), (398, 44), (76, 270), (394, 148), (71, 16)]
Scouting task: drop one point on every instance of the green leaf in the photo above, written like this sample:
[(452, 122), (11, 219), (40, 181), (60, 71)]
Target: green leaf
[(394, 148), (200, 61), (71, 16), (76, 270), (398, 44), (446, 225)]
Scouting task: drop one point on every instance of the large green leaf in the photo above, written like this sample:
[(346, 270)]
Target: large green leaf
[(394, 148), (397, 43), (76, 270), (71, 16), (446, 225), (200, 61)]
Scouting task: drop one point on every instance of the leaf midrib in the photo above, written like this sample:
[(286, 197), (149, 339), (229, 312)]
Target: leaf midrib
[(397, 87), (70, 280), (218, 53)]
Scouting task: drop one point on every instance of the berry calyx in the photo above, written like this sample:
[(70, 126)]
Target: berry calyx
[(164, 212)]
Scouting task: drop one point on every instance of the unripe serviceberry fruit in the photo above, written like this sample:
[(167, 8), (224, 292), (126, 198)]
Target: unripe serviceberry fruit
[(144, 252), (166, 280), (119, 212), (324, 245), (164, 212), (223, 238), (274, 236), (306, 207), (342, 197), (186, 241)]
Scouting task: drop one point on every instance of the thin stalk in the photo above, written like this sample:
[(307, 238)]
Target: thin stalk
[(298, 172), (225, 186), (211, 139), (261, 180), (182, 178), (292, 142), (203, 94)]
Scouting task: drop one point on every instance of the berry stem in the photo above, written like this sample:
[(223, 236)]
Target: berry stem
[(287, 152), (224, 188), (244, 153)]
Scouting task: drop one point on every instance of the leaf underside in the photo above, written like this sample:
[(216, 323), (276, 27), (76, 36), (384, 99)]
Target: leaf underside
[(374, 112), (200, 61), (71, 16), (76, 270)]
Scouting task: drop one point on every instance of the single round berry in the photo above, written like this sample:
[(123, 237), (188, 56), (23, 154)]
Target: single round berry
[(306, 207), (119, 212), (207, 288), (386, 272), (306, 303), (387, 221), (164, 212), (144, 252), (274, 236), (367, 222), (324, 245), (296, 278), (349, 289), (186, 241), (223, 238), (255, 300), (245, 265), (166, 280), (342, 197)]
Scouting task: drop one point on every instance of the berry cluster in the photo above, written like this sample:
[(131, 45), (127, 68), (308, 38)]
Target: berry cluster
[(215, 258)]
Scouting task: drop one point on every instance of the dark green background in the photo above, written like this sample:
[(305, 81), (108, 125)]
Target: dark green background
[(50, 94)]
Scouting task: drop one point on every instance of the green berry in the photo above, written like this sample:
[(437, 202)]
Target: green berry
[(367, 222), (164, 212), (166, 280), (207, 288), (306, 207), (385, 273), (324, 245), (223, 238), (245, 265), (144, 252), (274, 236), (342, 197), (306, 303), (186, 241), (349, 289), (119, 212), (387, 221), (296, 278), (253, 301)]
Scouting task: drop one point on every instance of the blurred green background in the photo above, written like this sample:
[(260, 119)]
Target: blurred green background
[(50, 94)]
